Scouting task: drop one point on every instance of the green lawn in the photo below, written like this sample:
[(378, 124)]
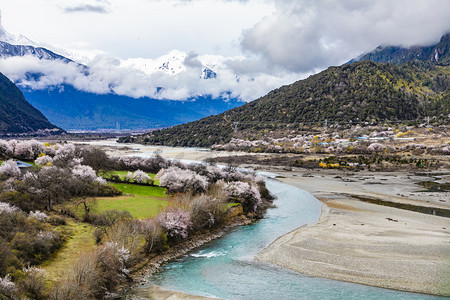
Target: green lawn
[(122, 175), (142, 201), (141, 207), (141, 190)]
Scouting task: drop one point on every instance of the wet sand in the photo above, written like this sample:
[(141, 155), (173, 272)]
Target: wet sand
[(366, 243)]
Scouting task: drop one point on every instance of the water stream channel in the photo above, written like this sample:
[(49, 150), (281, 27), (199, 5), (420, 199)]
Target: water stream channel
[(226, 268)]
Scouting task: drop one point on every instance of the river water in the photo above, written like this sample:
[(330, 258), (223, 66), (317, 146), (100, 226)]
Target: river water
[(226, 268)]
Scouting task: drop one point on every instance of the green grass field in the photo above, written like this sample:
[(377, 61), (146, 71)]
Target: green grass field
[(142, 201), (141, 207), (141, 190), (122, 175)]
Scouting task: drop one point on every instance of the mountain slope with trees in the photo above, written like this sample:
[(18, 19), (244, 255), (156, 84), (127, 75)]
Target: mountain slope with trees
[(438, 53), (358, 92), (16, 114)]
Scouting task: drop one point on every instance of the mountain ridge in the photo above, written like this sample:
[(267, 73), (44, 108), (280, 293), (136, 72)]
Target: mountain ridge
[(359, 92), (437, 53), (17, 116)]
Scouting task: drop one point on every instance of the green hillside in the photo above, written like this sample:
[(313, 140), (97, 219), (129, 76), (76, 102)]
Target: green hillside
[(16, 114), (359, 92)]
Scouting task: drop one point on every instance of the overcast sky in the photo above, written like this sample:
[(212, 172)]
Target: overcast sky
[(264, 43)]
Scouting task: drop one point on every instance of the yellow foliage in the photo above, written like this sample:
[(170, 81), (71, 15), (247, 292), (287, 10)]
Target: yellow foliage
[(324, 165), (408, 133), (41, 154)]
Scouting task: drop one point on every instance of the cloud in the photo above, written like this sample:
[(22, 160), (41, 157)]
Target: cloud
[(87, 8), (143, 77), (303, 35)]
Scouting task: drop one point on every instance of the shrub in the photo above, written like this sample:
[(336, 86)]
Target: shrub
[(28, 150), (9, 169), (44, 161), (155, 239), (177, 180), (86, 276), (127, 233), (7, 208), (112, 262), (206, 211), (141, 177), (8, 289), (70, 290), (38, 215), (176, 223), (246, 194), (32, 284)]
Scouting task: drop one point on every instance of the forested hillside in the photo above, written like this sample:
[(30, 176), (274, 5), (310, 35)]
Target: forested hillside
[(353, 93)]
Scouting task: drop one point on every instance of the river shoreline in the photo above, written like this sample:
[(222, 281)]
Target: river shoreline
[(357, 241), (366, 243)]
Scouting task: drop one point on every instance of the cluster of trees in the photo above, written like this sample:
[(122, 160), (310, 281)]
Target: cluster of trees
[(32, 207)]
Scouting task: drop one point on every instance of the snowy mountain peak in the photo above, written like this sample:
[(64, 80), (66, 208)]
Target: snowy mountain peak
[(9, 50), (13, 39), (171, 63), (207, 73)]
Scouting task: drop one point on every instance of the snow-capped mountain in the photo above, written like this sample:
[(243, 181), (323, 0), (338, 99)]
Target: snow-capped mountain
[(13, 39), (9, 50), (207, 73), (172, 63), (77, 97)]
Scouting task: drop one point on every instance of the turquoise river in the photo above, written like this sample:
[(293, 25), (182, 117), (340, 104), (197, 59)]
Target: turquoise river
[(226, 268)]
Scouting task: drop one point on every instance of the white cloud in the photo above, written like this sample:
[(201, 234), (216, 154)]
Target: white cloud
[(143, 77), (284, 41), (304, 35)]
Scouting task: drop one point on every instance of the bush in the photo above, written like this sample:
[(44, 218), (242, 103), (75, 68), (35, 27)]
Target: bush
[(86, 276), (70, 290), (8, 289), (206, 211), (32, 284), (141, 177), (245, 193), (177, 180), (176, 223), (9, 169), (127, 233), (155, 239)]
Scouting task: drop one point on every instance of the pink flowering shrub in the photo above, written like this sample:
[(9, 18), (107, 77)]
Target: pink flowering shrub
[(176, 223), (28, 149), (140, 177), (6, 149), (246, 194), (177, 180), (9, 169), (86, 174), (44, 161)]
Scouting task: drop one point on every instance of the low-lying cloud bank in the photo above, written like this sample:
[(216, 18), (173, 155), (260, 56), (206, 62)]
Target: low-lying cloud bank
[(176, 76)]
